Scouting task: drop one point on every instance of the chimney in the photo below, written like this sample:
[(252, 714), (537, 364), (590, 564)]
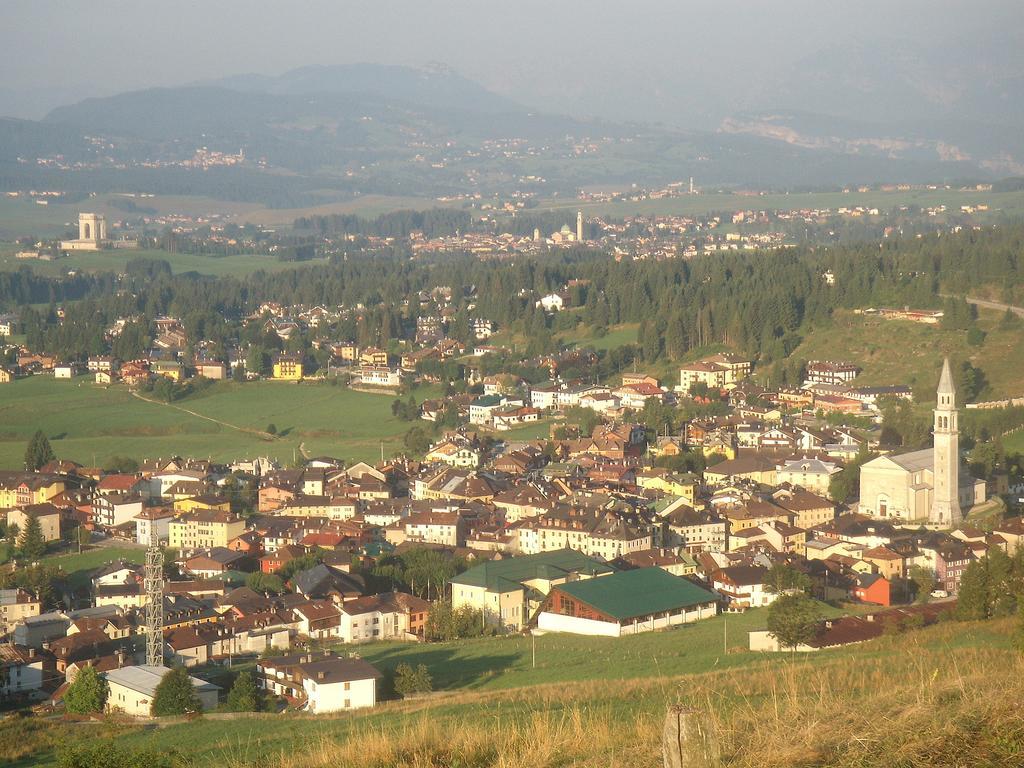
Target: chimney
[(120, 659), (828, 625), (31, 653), (320, 675), (870, 617)]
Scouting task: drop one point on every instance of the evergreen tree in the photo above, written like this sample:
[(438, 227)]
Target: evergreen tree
[(675, 337), (410, 679), (175, 695), (31, 543), (38, 452), (244, 696), (87, 694)]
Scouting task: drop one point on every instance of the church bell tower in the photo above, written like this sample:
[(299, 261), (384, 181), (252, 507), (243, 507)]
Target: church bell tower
[(945, 509)]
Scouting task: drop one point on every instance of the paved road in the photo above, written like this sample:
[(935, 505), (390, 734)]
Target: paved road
[(1019, 311)]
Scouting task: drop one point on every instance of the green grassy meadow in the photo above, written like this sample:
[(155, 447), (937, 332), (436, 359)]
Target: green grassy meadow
[(115, 261), (500, 663), (905, 352), (79, 566), (540, 430), (90, 424), (601, 702), (617, 336), (1014, 442)]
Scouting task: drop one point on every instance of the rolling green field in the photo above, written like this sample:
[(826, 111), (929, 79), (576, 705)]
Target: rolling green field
[(115, 261), (90, 424), (21, 217)]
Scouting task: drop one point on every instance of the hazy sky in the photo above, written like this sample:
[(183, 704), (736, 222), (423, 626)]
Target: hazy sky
[(587, 58)]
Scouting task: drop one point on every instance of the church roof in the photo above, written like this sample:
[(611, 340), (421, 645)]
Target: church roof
[(946, 380), (915, 461)]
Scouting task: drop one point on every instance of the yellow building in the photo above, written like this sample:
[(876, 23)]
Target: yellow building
[(204, 529), (170, 369), (195, 503), (662, 480), (747, 468), (751, 514), (347, 352), (288, 367), (19, 489), (373, 357)]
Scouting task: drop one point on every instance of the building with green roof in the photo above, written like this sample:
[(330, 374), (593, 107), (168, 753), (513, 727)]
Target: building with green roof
[(625, 603), (509, 591)]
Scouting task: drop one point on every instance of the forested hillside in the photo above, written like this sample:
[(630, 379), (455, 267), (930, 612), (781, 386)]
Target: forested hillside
[(754, 302)]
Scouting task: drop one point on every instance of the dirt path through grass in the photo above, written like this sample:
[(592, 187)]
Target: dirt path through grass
[(246, 430)]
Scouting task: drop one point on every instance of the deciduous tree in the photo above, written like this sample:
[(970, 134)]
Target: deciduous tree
[(175, 695), (87, 694), (793, 620)]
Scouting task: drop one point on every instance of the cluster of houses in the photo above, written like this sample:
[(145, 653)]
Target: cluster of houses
[(167, 354), (585, 533)]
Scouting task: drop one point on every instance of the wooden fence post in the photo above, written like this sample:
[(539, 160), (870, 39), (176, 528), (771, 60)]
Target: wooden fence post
[(687, 741)]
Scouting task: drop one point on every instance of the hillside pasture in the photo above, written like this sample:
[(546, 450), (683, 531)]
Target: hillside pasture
[(924, 695), (91, 424), (905, 352)]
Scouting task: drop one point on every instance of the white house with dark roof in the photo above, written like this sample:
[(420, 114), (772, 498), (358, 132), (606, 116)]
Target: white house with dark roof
[(132, 690), (320, 684)]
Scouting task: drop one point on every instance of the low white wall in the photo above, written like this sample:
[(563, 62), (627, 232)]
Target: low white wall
[(762, 640), (556, 622), (663, 622)]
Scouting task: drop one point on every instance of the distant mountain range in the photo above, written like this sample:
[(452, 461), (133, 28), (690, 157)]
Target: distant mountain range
[(437, 86), (317, 133)]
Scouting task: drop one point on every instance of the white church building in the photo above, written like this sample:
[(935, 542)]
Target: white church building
[(928, 486)]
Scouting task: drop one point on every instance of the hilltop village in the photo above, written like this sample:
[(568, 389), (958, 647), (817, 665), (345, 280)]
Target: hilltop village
[(606, 526)]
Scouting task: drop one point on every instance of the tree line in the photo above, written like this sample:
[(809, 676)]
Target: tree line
[(759, 303)]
